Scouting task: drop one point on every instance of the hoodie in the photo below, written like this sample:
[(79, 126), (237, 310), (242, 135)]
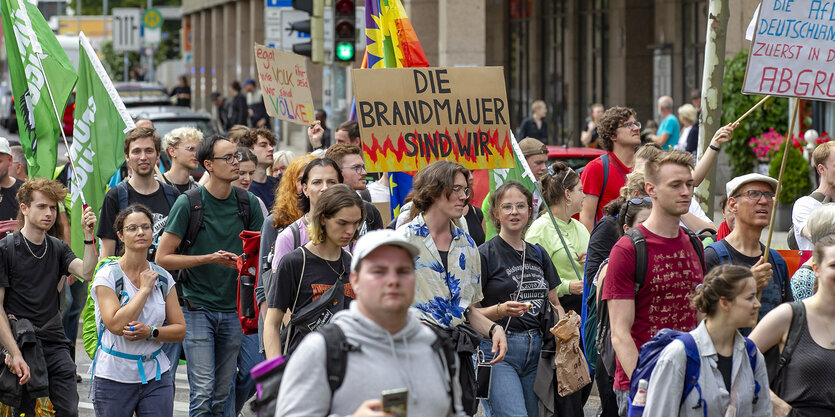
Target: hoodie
[(385, 361)]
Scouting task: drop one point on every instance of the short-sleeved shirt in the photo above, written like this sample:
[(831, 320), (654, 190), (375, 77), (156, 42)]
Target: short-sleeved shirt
[(442, 295), (772, 294), (319, 276), (8, 201), (576, 238), (801, 210), (673, 271), (803, 283), (157, 202), (501, 267), (265, 190), (670, 125), (152, 314), (592, 179), (213, 286), (32, 284)]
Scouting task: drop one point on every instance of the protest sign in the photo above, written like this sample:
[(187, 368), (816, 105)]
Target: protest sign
[(411, 117), (284, 85), (793, 50)]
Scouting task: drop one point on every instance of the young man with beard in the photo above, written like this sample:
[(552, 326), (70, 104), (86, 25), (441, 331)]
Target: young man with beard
[(674, 268), (33, 265), (349, 159), (262, 143), (209, 280), (751, 200)]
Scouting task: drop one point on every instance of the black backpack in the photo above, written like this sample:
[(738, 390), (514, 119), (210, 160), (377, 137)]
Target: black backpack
[(337, 349), (603, 338)]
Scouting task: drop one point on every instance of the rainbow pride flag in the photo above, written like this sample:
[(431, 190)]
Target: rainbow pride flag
[(391, 42)]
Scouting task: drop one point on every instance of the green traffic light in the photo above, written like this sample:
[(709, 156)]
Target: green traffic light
[(345, 51)]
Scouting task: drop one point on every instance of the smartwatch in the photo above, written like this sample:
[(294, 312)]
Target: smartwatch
[(154, 333)]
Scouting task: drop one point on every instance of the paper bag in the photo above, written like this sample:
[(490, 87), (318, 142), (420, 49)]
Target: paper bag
[(571, 366)]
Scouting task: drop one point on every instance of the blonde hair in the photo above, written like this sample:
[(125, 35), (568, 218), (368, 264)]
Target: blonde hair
[(688, 112), (180, 134), (821, 153)]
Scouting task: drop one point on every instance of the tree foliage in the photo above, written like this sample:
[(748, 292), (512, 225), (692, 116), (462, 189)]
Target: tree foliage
[(796, 181), (773, 113)]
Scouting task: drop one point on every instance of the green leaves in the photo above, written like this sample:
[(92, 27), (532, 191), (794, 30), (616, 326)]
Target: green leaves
[(796, 181)]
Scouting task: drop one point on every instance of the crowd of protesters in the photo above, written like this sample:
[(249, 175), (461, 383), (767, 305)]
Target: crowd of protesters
[(431, 306)]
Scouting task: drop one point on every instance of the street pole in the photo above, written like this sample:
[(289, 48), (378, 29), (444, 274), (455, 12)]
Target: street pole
[(104, 15), (126, 65)]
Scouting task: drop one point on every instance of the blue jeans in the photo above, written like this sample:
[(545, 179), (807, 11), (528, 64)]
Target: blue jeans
[(117, 399), (243, 387), (172, 351), (511, 391), (213, 340)]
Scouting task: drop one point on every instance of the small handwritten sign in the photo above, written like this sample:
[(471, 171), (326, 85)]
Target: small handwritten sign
[(284, 84)]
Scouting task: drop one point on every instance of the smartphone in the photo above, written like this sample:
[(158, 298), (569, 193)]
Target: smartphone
[(484, 378), (395, 401)]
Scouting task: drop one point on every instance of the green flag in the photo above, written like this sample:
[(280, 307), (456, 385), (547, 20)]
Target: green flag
[(101, 123), (36, 58), (522, 173)]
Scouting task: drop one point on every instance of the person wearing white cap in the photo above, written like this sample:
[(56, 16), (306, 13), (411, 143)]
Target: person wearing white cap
[(394, 349), (8, 189), (751, 199)]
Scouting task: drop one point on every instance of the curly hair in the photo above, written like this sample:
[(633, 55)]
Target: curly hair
[(249, 138), (433, 181), (53, 190), (610, 121), (559, 178), (285, 210), (331, 201)]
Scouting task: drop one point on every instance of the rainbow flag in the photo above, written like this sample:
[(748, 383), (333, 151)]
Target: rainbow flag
[(391, 42)]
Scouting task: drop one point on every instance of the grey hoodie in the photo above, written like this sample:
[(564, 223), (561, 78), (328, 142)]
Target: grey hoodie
[(385, 361)]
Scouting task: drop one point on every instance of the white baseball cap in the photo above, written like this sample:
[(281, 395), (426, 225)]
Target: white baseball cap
[(737, 182), (4, 146), (370, 241)]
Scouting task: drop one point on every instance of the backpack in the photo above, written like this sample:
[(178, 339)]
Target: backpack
[(267, 375), (775, 360), (603, 338), (651, 351), (170, 192), (790, 239), (780, 263), (605, 159), (248, 279), (90, 330)]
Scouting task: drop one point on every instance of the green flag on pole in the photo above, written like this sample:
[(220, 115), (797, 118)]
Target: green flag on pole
[(37, 66), (522, 173), (101, 124)]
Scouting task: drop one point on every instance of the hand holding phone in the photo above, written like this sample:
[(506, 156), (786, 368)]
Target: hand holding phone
[(395, 401)]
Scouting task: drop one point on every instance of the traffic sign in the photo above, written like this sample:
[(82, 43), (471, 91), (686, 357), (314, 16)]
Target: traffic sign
[(288, 36), (152, 19), (126, 29), (278, 3)]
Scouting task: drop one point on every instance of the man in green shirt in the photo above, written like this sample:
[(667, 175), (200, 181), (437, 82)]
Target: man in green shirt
[(213, 335)]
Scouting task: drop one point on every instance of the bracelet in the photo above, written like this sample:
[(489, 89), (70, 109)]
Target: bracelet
[(498, 311), (493, 327), (715, 148), (88, 242)]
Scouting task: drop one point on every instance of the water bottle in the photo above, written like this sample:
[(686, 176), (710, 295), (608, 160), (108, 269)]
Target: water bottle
[(640, 399)]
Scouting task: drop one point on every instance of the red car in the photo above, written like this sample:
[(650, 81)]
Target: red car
[(576, 158)]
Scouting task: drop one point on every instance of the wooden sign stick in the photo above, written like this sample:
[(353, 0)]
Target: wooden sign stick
[(795, 114), (751, 110)]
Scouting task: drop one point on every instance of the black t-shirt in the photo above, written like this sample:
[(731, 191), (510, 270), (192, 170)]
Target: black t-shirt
[(182, 89), (32, 284), (373, 220), (474, 218), (265, 190), (318, 278), (156, 202), (602, 240), (501, 267), (182, 188), (444, 254), (8, 201), (725, 364)]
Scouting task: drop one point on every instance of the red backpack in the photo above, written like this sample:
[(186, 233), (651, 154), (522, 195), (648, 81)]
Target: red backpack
[(246, 303)]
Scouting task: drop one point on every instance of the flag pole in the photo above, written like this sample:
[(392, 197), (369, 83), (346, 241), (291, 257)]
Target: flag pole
[(751, 110), (795, 114)]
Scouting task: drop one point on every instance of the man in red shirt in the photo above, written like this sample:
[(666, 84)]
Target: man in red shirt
[(674, 269), (620, 135)]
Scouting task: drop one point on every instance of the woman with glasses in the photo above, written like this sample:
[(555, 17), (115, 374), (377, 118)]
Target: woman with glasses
[(308, 272), (137, 312), (518, 282), (181, 146)]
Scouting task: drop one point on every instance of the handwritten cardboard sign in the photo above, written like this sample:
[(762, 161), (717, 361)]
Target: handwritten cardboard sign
[(284, 85), (411, 117), (793, 50)]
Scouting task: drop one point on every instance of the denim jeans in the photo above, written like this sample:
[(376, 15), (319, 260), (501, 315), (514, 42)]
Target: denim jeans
[(213, 340), (243, 387), (117, 399), (511, 391), (172, 351)]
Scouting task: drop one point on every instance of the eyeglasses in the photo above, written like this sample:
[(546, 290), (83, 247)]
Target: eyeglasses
[(508, 208), (462, 191), (755, 195), (228, 158), (359, 168), (132, 228), (630, 125), (188, 148)]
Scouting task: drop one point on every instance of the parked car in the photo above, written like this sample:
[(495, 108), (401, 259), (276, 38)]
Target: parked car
[(167, 118), (576, 158), (136, 93)]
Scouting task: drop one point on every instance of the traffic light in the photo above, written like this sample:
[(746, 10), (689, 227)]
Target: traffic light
[(314, 27), (344, 30)]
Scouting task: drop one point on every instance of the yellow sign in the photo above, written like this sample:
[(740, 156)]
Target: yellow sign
[(152, 19)]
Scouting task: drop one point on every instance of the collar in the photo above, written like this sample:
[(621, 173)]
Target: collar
[(705, 343)]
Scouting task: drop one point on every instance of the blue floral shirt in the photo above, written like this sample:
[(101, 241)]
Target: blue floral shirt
[(441, 296)]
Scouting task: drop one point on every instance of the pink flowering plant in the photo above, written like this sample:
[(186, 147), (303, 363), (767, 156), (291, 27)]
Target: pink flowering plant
[(766, 144)]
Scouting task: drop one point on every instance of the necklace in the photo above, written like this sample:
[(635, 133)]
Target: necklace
[(26, 242), (328, 263)]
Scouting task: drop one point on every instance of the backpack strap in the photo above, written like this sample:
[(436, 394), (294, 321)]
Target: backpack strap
[(8, 243), (195, 221), (781, 266), (170, 192), (721, 252), (691, 371), (446, 352), (538, 252), (122, 194), (639, 242), (605, 159), (243, 205), (795, 329), (697, 246), (294, 228), (336, 354), (751, 350)]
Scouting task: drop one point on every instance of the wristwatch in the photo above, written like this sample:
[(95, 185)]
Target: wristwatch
[(154, 333)]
